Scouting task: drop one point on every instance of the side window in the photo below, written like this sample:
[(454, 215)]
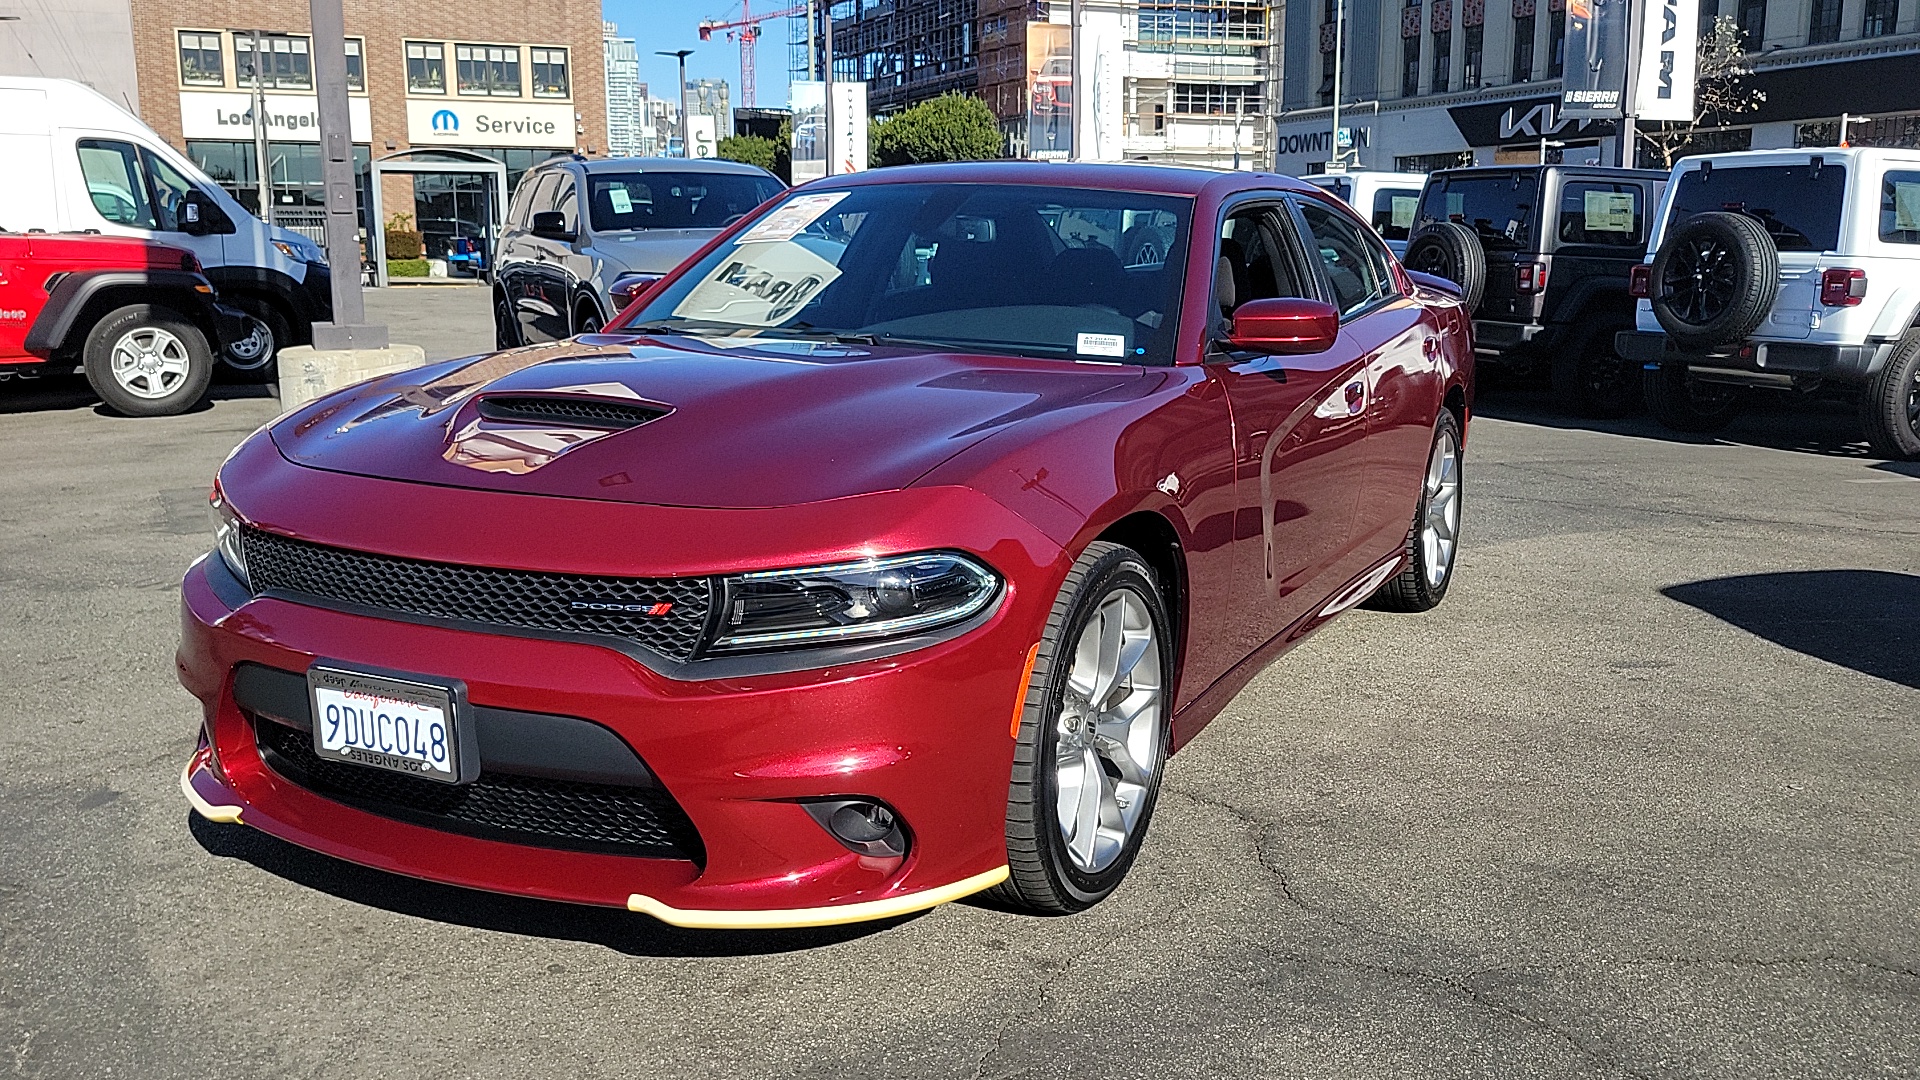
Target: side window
[(1900, 208), (569, 207), (169, 191), (542, 197), (112, 174), (1346, 259), (1394, 210), (520, 210), (1251, 265), (1599, 213)]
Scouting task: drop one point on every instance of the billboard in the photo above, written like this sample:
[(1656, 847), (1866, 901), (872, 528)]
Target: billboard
[(811, 145), (1663, 79), (701, 139), (1594, 85)]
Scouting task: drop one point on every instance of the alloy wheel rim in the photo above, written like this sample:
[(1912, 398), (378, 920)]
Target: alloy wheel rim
[(1698, 285), (1440, 526), (254, 350), (1107, 735), (1913, 404), (149, 362)]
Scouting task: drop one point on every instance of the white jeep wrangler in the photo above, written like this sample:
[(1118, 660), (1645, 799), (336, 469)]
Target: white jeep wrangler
[(1785, 269)]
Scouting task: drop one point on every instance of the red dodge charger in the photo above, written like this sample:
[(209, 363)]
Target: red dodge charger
[(878, 555)]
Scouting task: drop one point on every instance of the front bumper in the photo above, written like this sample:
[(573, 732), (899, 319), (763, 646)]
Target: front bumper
[(923, 732), (1780, 362)]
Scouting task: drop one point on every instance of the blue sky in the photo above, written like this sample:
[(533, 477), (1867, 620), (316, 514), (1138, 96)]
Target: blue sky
[(671, 24)]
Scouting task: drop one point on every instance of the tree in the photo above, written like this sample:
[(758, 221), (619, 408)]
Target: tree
[(1720, 94), (951, 127), (750, 149)]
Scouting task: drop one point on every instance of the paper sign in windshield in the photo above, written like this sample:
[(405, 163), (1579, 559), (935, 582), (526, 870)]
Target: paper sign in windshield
[(789, 220), (1404, 207), (1609, 211), (1906, 207), (622, 202), (1101, 345)]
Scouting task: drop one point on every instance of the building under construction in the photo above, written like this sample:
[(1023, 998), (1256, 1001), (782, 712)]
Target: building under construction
[(906, 51)]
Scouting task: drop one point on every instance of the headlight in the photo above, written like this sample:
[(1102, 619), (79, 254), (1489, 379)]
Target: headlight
[(857, 601), (226, 533), (301, 251)]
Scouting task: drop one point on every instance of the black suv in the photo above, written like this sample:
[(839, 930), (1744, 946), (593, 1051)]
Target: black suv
[(1543, 254)]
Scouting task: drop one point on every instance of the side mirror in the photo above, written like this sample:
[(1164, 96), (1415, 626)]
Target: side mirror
[(627, 286), (1290, 326), (201, 216), (551, 225)]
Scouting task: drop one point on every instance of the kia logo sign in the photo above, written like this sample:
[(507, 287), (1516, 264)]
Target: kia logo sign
[(445, 121)]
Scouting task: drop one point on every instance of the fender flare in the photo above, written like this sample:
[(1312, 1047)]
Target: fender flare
[(74, 290)]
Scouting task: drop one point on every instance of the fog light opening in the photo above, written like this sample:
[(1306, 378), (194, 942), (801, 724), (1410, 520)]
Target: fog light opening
[(864, 826)]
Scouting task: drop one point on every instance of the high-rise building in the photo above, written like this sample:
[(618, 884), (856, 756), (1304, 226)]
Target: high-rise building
[(624, 93)]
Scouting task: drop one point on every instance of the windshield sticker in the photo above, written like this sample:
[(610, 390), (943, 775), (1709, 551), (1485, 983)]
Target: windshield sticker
[(788, 221), (1609, 211), (1906, 207), (1404, 207), (1101, 345), (622, 202)]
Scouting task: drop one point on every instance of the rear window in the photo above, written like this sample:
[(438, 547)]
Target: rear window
[(1497, 206), (1342, 188), (1394, 210), (668, 200), (1600, 213), (1799, 205), (1900, 208)]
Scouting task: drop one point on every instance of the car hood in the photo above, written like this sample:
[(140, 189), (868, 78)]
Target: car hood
[(713, 423), (651, 251)]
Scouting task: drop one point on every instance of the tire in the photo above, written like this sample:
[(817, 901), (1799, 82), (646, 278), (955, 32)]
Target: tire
[(1145, 245), (587, 322), (255, 357), (1593, 380), (1890, 408), (1052, 872), (1681, 404), (506, 328), (146, 360), (1714, 280), (1433, 540), (1450, 250)]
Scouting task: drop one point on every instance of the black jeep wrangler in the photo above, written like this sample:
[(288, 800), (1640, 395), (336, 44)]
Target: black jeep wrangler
[(1543, 254)]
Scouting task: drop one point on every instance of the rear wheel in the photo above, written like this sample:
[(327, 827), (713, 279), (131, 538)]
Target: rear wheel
[(1593, 380), (1890, 411), (1683, 403), (146, 360), (1092, 744), (1433, 541)]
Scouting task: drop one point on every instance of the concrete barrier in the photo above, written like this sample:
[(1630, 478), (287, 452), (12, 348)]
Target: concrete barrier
[(306, 372)]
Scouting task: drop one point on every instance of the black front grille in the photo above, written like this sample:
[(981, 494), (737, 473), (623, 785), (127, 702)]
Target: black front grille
[(530, 810), (667, 615), (585, 412)]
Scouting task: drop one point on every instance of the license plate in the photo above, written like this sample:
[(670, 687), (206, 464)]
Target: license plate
[(386, 722)]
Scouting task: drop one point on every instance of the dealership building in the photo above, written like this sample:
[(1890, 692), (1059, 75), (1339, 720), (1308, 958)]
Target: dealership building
[(490, 83), (1433, 83)]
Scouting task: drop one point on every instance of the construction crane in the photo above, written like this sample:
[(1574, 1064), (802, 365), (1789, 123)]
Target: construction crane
[(746, 30)]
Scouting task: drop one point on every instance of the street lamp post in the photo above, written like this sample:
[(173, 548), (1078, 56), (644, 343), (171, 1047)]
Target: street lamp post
[(686, 145)]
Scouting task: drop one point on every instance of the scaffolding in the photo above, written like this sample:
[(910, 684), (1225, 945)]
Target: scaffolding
[(906, 51)]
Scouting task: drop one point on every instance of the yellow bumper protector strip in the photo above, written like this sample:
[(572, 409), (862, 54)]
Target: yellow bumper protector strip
[(226, 815), (793, 918)]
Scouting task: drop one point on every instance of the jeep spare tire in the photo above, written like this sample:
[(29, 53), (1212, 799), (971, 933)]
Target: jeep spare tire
[(1450, 250), (1714, 280)]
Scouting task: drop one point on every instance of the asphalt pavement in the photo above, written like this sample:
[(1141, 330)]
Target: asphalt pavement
[(1638, 800)]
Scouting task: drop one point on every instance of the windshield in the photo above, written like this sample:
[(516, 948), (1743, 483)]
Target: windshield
[(671, 200), (1016, 268), (1496, 206), (1799, 205)]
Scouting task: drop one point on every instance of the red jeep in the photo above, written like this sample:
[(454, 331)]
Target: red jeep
[(138, 317)]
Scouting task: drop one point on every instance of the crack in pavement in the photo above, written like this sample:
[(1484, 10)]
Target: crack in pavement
[(1039, 1006)]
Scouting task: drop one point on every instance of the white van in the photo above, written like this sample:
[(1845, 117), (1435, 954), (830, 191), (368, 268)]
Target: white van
[(1388, 199), (76, 162)]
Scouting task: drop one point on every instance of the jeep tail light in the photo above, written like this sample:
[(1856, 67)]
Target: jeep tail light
[(1532, 277), (1843, 287), (1640, 281)]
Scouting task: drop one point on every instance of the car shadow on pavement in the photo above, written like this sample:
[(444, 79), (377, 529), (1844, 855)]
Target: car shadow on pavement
[(53, 393), (1773, 420), (1867, 620), (622, 931)]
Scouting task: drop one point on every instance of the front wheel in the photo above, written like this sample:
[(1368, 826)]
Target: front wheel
[(1682, 403), (252, 356), (506, 328), (146, 360), (1433, 541), (1890, 411), (1092, 743)]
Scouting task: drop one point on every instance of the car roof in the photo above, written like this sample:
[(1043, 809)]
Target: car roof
[(1585, 170), (1794, 155), (656, 164), (1104, 176)]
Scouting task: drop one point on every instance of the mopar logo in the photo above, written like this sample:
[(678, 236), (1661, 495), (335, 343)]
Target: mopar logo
[(620, 606), (446, 121)]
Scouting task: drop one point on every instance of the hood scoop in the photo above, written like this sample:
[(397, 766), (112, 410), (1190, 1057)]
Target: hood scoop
[(577, 412)]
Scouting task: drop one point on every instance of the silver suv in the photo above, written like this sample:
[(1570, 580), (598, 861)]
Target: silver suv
[(1794, 270), (576, 227)]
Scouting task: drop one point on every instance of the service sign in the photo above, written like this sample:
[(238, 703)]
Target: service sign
[(453, 122), (290, 117), (1663, 83), (1595, 81)]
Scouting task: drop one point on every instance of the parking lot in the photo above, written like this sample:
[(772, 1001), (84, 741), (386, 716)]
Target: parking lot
[(1638, 800)]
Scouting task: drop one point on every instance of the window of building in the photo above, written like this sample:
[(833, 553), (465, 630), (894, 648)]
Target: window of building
[(1879, 17), (426, 67), (1824, 26), (1410, 66), (1753, 22), (1423, 163), (285, 61), (1709, 11), (1473, 42), (1442, 61), (200, 62), (1216, 99), (356, 66), (487, 69), (1523, 49), (1230, 27), (1326, 77), (549, 72), (1556, 46)]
